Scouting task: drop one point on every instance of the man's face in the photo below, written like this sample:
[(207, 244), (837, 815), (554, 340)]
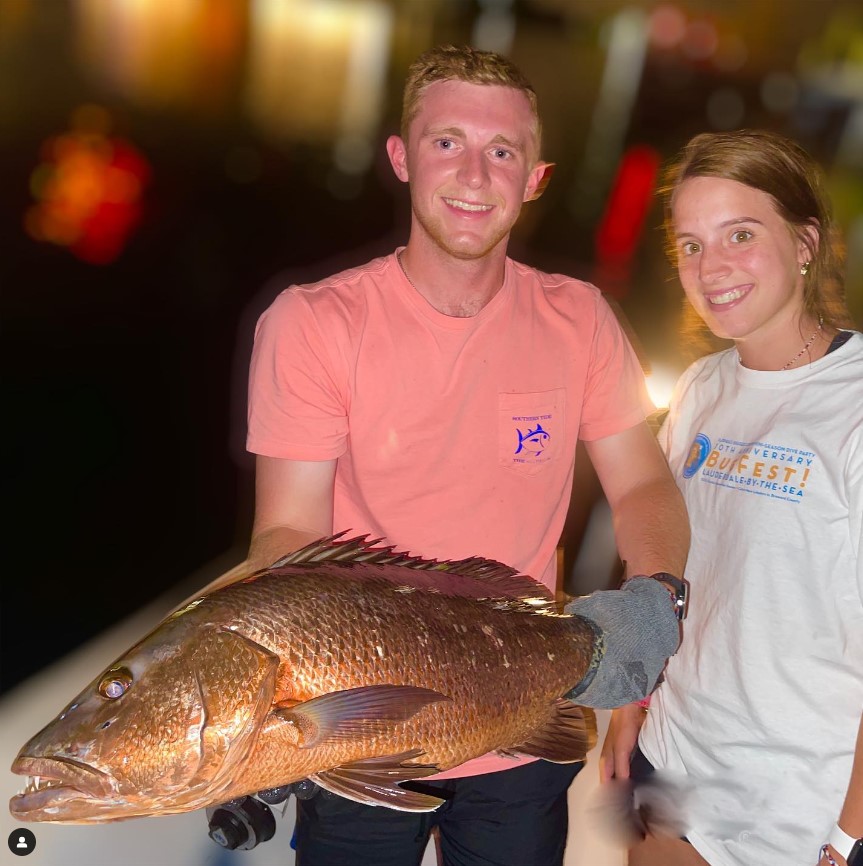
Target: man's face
[(470, 160)]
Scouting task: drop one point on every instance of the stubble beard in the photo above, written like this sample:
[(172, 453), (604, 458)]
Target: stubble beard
[(470, 249)]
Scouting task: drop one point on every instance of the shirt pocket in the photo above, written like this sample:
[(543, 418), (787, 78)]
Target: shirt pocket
[(531, 430)]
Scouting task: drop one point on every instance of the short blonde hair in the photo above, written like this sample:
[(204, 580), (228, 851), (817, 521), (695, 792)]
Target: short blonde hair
[(463, 63)]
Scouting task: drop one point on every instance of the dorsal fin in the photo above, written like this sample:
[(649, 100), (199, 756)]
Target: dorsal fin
[(474, 577)]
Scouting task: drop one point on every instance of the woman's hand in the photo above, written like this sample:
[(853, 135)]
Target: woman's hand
[(620, 742)]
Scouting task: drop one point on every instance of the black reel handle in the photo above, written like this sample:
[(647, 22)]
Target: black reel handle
[(242, 824)]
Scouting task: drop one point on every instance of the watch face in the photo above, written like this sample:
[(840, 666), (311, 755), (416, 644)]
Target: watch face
[(679, 593)]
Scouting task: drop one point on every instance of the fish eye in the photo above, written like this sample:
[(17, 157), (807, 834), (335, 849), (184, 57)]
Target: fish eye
[(115, 683)]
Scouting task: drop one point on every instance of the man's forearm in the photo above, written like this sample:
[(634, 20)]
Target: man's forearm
[(651, 528), (274, 542), (266, 547)]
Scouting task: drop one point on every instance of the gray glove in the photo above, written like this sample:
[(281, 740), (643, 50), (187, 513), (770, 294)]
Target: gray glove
[(637, 632)]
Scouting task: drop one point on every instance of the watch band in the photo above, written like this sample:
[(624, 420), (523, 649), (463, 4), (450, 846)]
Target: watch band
[(677, 588), (849, 847)]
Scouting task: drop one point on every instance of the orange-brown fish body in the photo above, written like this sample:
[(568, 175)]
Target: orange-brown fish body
[(349, 672)]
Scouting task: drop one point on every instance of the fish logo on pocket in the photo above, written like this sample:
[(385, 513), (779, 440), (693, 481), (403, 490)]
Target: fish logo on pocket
[(533, 442)]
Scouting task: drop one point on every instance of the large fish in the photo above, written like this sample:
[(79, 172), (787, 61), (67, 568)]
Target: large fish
[(345, 662)]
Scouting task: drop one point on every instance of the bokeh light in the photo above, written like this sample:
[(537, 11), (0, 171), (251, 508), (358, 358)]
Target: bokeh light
[(87, 189)]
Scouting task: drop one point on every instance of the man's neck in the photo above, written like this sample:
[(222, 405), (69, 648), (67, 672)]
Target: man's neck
[(454, 287)]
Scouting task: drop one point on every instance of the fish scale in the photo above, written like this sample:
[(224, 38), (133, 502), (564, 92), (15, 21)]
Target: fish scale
[(341, 654), (494, 706)]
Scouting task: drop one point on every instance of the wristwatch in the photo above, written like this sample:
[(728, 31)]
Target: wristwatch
[(679, 590), (849, 847)]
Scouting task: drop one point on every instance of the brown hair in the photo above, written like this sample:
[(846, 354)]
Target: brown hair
[(787, 173), (463, 63)]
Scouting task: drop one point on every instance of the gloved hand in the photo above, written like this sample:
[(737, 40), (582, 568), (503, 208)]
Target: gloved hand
[(637, 631)]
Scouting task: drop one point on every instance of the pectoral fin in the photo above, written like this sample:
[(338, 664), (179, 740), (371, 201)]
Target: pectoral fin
[(566, 738), (374, 782), (353, 713)]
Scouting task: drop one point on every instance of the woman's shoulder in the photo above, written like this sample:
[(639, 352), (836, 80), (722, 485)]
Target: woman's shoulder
[(710, 364)]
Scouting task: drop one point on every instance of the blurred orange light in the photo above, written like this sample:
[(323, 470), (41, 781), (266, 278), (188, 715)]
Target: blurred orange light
[(87, 189), (185, 53)]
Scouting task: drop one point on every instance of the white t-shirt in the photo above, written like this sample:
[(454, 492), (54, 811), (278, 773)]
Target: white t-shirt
[(761, 705)]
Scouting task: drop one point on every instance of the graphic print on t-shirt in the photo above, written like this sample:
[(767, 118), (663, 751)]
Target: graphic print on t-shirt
[(532, 443), (529, 426), (698, 453), (764, 468)]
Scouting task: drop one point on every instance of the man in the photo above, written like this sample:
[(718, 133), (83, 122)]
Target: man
[(434, 398)]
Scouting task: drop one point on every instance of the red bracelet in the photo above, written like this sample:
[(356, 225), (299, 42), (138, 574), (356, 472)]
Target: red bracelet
[(644, 703)]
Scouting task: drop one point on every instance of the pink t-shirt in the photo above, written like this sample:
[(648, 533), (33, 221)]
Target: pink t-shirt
[(455, 437)]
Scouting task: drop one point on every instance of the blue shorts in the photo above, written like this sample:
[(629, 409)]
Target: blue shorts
[(508, 818)]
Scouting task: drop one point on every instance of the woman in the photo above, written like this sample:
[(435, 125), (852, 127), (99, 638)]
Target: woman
[(760, 711)]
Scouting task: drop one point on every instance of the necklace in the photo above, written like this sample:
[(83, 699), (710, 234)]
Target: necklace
[(466, 309), (402, 266), (806, 345), (800, 354)]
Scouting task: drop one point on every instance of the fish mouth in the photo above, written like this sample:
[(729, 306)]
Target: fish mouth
[(53, 782)]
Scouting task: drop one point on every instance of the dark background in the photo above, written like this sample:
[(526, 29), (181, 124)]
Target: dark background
[(123, 382)]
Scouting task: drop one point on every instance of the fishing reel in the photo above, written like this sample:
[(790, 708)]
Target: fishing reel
[(244, 823)]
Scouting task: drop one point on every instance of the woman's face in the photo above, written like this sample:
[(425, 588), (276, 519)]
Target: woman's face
[(738, 260)]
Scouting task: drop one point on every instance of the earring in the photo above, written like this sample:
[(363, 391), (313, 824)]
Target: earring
[(804, 268)]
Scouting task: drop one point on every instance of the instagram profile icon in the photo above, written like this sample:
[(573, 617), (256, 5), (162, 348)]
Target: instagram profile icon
[(22, 841)]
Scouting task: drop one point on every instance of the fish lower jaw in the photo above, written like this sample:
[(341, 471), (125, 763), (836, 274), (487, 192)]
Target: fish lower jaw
[(68, 805), (46, 792), (47, 802)]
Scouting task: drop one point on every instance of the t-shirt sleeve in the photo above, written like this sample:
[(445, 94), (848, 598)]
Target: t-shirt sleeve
[(665, 434), (297, 384), (615, 396)]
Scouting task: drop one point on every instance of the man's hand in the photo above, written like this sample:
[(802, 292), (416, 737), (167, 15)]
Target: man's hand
[(638, 630)]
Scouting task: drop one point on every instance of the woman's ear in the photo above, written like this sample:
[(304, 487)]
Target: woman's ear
[(809, 239)]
